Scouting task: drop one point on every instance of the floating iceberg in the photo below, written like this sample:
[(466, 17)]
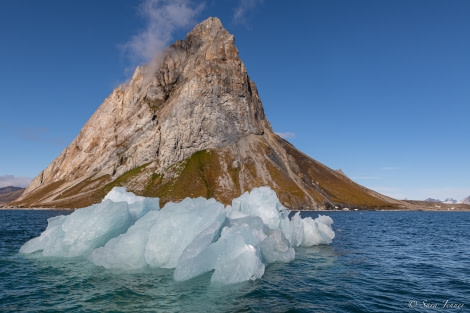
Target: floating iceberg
[(82, 231), (193, 236)]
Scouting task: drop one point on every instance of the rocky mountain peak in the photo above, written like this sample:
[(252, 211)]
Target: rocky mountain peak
[(196, 95), (219, 43), (189, 123), (209, 29)]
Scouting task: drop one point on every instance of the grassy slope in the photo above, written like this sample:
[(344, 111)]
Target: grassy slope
[(332, 185), (201, 175)]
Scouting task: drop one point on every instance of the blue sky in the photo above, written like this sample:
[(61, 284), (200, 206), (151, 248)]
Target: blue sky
[(379, 89)]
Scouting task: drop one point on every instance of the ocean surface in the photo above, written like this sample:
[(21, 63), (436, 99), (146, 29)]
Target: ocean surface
[(378, 262)]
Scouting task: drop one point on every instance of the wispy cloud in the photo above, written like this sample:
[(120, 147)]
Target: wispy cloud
[(163, 18), (16, 181), (442, 193), (392, 192), (32, 134), (240, 12), (39, 135), (457, 193), (365, 177), (390, 168), (286, 135)]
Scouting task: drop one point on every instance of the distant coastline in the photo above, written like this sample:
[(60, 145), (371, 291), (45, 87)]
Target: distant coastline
[(8, 208), (419, 206), (439, 206), (9, 194)]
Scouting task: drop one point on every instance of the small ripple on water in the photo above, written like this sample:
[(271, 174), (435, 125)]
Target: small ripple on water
[(378, 262)]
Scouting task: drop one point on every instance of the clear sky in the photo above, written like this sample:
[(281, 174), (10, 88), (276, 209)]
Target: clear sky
[(379, 89)]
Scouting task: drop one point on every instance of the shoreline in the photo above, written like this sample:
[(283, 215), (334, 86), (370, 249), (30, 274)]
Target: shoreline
[(452, 209), (35, 209)]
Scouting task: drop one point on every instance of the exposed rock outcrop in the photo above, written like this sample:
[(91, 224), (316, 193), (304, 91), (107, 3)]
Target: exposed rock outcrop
[(190, 123)]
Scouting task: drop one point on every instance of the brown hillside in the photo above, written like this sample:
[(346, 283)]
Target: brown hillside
[(191, 124)]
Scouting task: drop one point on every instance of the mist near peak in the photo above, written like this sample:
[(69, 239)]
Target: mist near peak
[(163, 18)]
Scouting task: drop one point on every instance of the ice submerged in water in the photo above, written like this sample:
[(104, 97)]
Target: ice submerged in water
[(193, 236)]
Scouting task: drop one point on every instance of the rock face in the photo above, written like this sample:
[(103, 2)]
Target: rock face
[(190, 123)]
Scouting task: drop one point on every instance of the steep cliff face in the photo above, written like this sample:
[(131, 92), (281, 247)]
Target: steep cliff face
[(190, 123)]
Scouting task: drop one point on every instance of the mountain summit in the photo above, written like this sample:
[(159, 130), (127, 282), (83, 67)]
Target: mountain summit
[(190, 123)]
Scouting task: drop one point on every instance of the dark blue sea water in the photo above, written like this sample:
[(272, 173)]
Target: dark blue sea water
[(378, 262)]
